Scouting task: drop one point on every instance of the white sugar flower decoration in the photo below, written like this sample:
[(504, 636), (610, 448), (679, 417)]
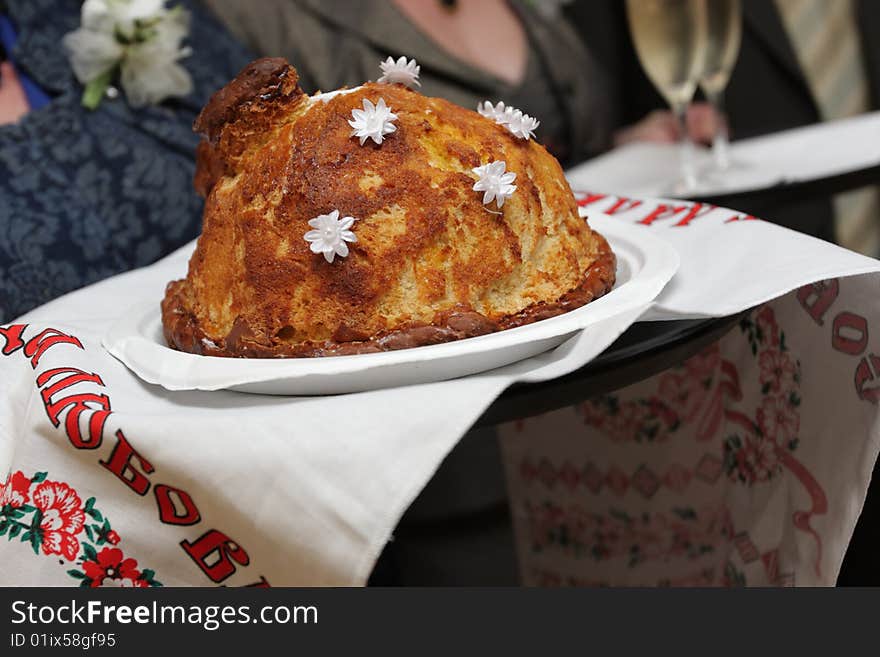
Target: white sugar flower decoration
[(140, 40), (402, 71), (372, 122), (494, 182), (521, 125), (494, 112), (330, 235)]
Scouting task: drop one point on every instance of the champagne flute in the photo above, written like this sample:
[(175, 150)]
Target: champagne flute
[(670, 39), (724, 23)]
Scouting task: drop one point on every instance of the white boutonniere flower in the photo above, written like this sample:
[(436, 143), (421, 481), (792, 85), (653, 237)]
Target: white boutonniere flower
[(140, 41)]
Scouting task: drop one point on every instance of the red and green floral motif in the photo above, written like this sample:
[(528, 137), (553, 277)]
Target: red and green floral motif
[(745, 414), (51, 517), (755, 449), (681, 394), (733, 577), (110, 567), (685, 532), (549, 578)]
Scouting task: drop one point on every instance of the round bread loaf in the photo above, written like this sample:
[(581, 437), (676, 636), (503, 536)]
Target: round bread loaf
[(431, 262)]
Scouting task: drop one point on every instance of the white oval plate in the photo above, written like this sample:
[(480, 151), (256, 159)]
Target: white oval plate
[(645, 264)]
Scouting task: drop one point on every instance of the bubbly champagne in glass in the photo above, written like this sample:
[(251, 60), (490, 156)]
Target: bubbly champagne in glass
[(670, 39), (724, 24)]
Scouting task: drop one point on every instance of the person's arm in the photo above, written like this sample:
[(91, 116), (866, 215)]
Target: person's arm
[(13, 103)]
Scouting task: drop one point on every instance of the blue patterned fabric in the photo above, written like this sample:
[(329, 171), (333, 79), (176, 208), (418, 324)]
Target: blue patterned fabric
[(88, 194)]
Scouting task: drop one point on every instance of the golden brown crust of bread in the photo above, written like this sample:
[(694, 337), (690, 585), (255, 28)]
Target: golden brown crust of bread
[(241, 115), (431, 263), (263, 80), (209, 168), (183, 332)]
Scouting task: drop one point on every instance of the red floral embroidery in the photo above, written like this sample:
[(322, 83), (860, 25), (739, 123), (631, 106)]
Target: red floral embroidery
[(685, 533), (755, 459), (550, 578), (778, 419), (50, 515), (15, 492), (593, 413), (763, 457), (682, 395), (777, 370), (754, 452), (768, 329), (641, 421), (758, 444), (111, 568), (62, 518), (705, 364), (622, 425), (733, 577)]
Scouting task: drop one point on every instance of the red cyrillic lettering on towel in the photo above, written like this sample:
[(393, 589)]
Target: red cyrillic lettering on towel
[(120, 464), (849, 333), (817, 298), (168, 510), (12, 335), (220, 546), (79, 403), (37, 346)]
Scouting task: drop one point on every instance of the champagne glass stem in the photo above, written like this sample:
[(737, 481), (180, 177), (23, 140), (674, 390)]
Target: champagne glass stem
[(720, 142), (687, 168)]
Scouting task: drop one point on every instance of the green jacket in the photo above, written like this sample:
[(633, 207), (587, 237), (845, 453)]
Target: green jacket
[(334, 44)]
